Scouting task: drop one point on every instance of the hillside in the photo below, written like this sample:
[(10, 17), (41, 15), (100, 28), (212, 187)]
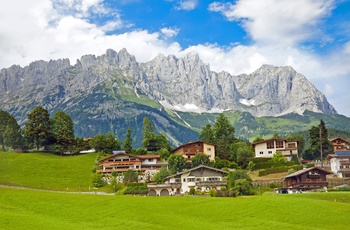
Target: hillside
[(47, 171)]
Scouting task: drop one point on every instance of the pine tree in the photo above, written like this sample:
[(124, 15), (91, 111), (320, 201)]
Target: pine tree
[(223, 136), (4, 117), (128, 141), (12, 134), (318, 134)]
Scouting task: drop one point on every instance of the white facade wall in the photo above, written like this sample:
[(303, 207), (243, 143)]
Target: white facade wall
[(209, 150)]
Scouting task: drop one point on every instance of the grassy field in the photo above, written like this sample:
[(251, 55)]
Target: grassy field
[(30, 209), (46, 171)]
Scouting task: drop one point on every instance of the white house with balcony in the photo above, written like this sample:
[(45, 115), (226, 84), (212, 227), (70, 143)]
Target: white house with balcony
[(340, 163), (268, 148), (201, 178)]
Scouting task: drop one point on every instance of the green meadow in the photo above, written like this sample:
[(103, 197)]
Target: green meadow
[(47, 171), (32, 209), (53, 207)]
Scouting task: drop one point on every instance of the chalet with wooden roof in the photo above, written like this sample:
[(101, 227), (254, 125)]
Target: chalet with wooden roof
[(189, 150), (340, 144), (340, 163), (307, 179), (268, 148), (121, 162)]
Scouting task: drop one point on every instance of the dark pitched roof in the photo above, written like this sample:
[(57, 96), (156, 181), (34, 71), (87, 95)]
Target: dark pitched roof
[(333, 139), (118, 154), (297, 173), (195, 168), (342, 153), (339, 154)]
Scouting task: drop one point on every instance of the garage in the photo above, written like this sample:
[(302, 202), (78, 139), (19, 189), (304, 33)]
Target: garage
[(152, 192), (164, 192)]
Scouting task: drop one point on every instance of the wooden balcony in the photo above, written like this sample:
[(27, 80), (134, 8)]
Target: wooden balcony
[(121, 163)]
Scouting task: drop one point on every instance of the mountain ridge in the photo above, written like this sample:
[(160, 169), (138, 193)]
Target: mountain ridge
[(113, 90)]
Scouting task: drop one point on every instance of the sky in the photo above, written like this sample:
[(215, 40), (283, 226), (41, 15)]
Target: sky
[(312, 36)]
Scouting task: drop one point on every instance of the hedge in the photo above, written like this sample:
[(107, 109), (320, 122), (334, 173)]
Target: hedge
[(136, 188), (279, 169), (266, 165)]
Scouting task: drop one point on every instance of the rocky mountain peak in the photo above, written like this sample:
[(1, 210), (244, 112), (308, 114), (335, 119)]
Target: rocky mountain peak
[(185, 84)]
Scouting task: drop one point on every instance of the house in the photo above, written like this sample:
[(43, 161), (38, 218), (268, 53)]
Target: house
[(340, 163), (306, 179), (340, 144), (121, 162), (268, 148), (190, 149), (202, 178)]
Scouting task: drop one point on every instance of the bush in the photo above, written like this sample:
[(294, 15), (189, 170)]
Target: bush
[(279, 169), (213, 193), (97, 180), (136, 189), (192, 191), (265, 165)]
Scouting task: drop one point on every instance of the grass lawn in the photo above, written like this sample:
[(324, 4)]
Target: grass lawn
[(46, 171), (31, 209)]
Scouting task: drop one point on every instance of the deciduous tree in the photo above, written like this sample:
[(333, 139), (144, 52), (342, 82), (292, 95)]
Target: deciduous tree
[(38, 127), (200, 159), (62, 129), (176, 163)]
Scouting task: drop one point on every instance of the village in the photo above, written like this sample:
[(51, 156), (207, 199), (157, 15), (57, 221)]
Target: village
[(204, 178)]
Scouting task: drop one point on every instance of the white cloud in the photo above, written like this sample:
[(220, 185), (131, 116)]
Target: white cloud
[(271, 21), (187, 5), (347, 48), (169, 32)]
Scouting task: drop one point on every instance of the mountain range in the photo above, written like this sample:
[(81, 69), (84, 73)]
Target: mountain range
[(113, 91)]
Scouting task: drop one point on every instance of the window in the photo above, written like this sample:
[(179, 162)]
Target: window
[(184, 180), (261, 152), (269, 152), (279, 144), (208, 149), (291, 145), (270, 144), (190, 179)]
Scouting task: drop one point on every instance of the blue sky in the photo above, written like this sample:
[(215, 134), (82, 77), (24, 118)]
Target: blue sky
[(235, 36)]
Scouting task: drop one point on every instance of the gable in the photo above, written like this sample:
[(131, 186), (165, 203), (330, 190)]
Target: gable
[(205, 172)]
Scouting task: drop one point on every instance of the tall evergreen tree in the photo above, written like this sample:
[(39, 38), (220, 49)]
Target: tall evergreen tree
[(12, 135), (4, 117), (149, 135), (318, 135), (128, 141), (223, 136), (207, 134), (38, 127)]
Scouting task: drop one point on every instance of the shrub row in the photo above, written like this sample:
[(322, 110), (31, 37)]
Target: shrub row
[(225, 193), (136, 189), (266, 165), (279, 169)]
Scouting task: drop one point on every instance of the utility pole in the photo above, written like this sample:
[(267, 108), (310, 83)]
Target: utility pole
[(321, 148)]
